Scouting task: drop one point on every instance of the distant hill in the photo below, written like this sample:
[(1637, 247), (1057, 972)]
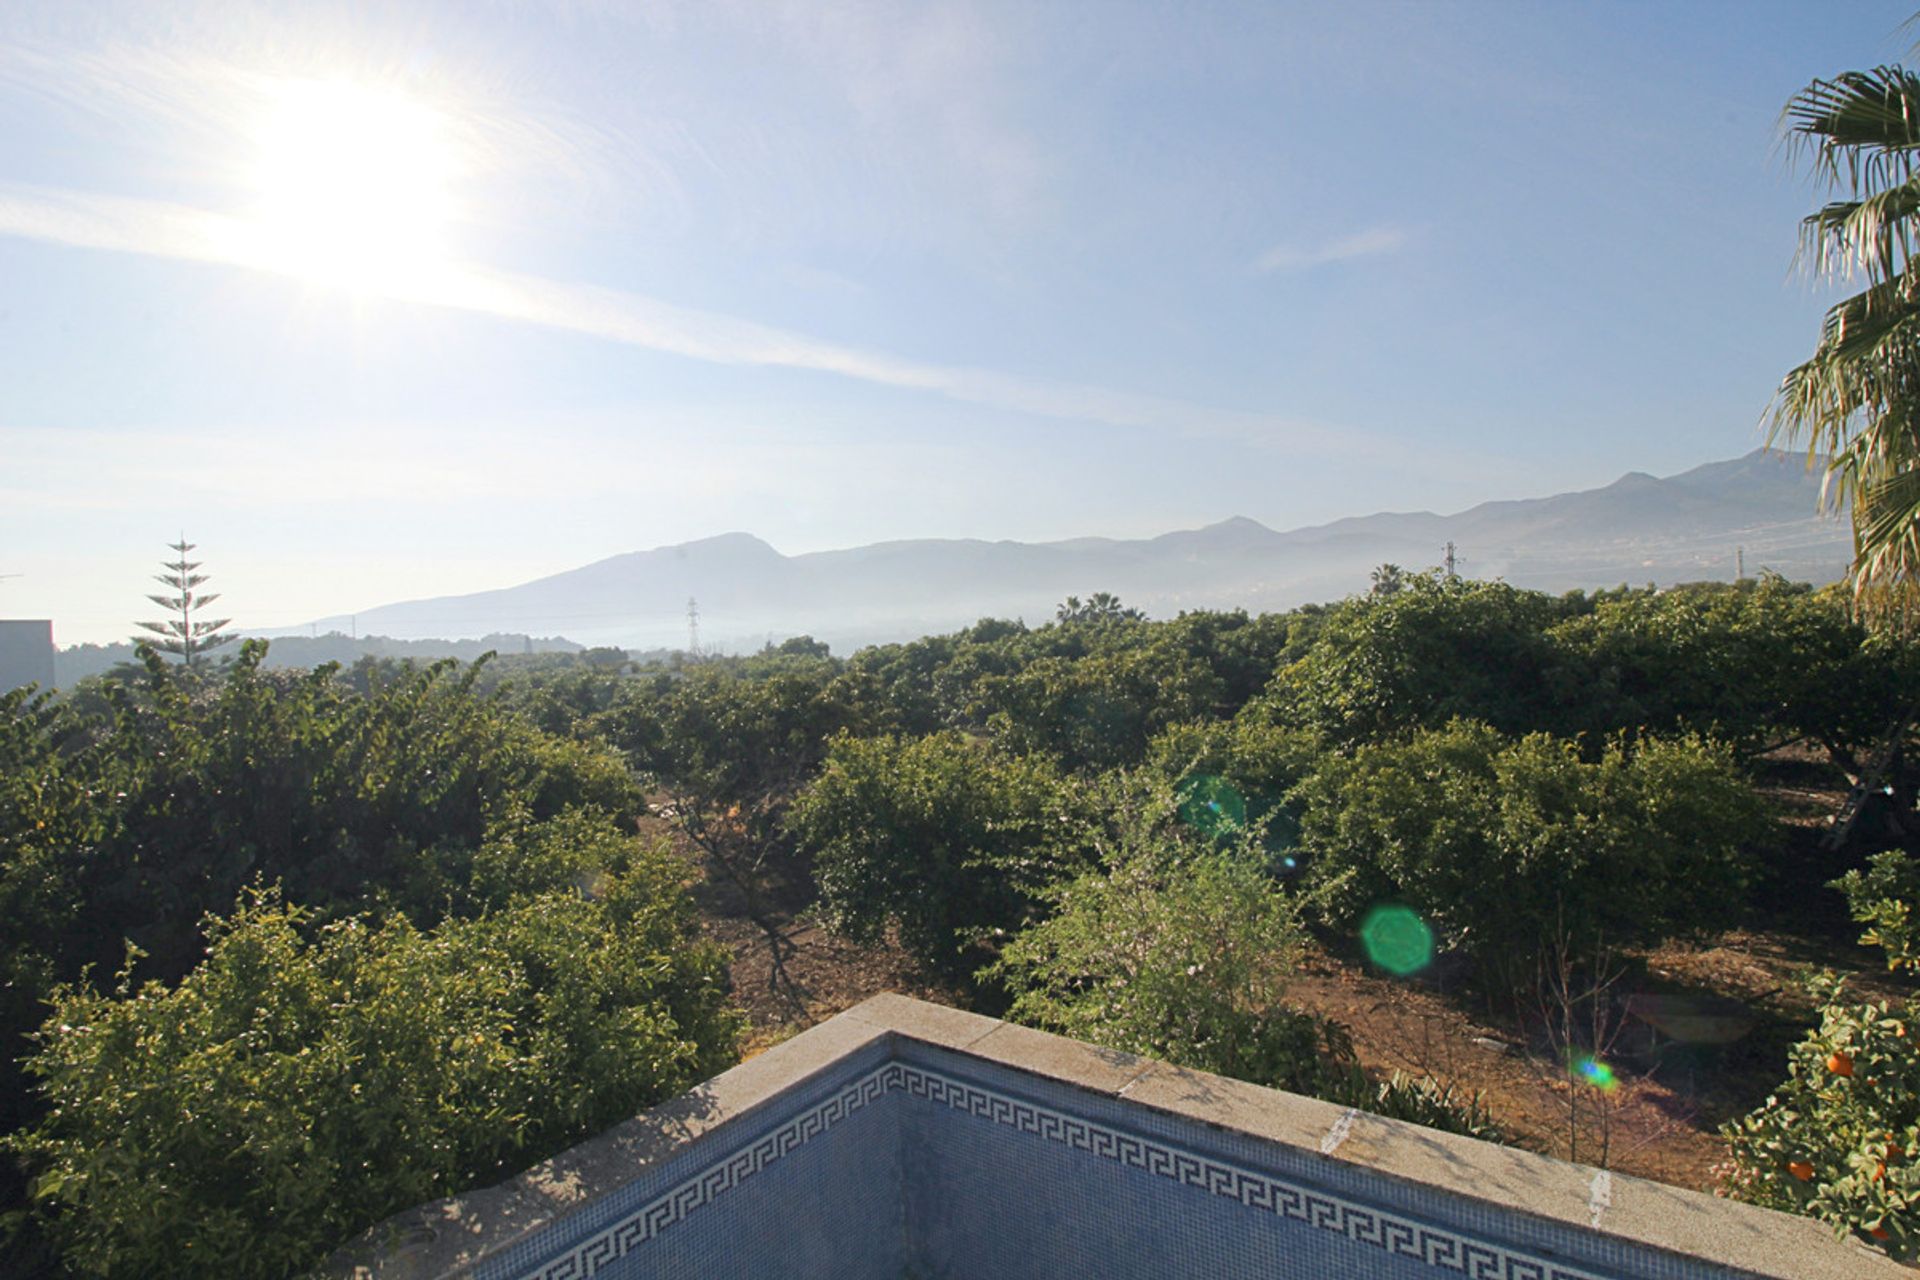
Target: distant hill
[(1639, 529)]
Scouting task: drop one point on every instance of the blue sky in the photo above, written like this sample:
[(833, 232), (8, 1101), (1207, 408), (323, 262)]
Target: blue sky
[(635, 274)]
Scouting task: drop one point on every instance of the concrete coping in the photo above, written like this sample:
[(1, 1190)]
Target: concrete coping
[(448, 1237)]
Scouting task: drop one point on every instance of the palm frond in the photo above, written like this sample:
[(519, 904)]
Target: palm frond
[(1867, 365), (1873, 235), (1860, 126), (1890, 509)]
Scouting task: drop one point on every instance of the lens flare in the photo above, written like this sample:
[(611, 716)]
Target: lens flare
[(1397, 940), (1281, 838), (1212, 805), (1595, 1072)]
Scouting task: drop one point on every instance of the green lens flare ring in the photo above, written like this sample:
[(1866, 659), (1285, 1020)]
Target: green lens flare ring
[(1397, 939), (1211, 804)]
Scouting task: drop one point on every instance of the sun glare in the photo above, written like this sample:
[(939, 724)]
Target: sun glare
[(352, 184)]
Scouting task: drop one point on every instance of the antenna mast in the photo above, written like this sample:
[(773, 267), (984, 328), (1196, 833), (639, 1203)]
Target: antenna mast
[(1449, 562), (693, 627)]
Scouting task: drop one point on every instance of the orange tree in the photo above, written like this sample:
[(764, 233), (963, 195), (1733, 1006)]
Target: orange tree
[(1838, 1139)]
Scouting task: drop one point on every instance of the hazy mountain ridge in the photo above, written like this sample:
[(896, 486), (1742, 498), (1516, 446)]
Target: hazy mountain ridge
[(1638, 529)]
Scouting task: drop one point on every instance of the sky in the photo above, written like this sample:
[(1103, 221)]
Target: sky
[(380, 301)]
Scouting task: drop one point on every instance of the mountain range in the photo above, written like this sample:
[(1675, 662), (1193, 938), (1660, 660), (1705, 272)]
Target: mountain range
[(1640, 529)]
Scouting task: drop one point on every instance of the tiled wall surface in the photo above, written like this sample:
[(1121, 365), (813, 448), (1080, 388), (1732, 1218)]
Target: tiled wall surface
[(808, 1188), (904, 1140), (1017, 1177), (933, 1166)]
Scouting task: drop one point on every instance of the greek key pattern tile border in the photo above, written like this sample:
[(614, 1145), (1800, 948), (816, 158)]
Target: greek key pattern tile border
[(1360, 1224), (656, 1215)]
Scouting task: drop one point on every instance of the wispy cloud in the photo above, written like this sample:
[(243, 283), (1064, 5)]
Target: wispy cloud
[(1370, 243), (167, 230)]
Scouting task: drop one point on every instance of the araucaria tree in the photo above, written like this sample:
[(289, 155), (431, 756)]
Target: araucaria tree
[(1857, 399), (188, 634)]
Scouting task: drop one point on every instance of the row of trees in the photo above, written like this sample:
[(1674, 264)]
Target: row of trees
[(1122, 829), (287, 953), (1119, 828)]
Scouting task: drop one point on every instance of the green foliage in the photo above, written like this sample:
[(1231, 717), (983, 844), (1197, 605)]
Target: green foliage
[(1501, 844), (1263, 760), (194, 788), (939, 837), (730, 743), (1853, 402), (1246, 768), (563, 699), (1097, 712), (1841, 1145), (141, 803), (1181, 948), (1418, 1100), (1755, 664), (905, 688), (1881, 896), (1082, 689), (1432, 650), (1177, 953), (301, 1084), (1838, 1139), (730, 733), (1101, 606)]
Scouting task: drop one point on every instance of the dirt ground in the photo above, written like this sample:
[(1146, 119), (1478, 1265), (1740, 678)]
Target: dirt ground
[(1697, 1034)]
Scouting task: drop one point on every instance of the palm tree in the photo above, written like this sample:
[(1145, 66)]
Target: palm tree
[(1857, 400)]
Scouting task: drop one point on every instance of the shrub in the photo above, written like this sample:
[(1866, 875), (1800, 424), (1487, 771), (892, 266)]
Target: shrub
[(1098, 711), (1839, 1139), (941, 838), (302, 1084), (1436, 650), (1178, 954), (1418, 1100), (1184, 954), (1755, 664), (1501, 844)]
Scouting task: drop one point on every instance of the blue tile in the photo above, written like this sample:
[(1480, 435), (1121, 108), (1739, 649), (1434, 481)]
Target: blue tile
[(934, 1164)]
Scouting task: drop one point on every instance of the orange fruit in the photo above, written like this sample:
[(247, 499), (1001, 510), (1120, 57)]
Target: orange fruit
[(1879, 1172), (1880, 1233), (1839, 1063), (1800, 1169)]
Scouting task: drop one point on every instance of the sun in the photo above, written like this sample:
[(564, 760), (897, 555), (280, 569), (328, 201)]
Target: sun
[(352, 184)]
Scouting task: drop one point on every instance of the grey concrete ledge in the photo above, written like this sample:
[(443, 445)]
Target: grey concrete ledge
[(1759, 1242), (446, 1238)]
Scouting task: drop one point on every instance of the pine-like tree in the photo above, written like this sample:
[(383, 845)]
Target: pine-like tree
[(185, 635)]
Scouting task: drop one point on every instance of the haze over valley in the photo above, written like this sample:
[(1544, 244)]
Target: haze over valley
[(1640, 529)]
